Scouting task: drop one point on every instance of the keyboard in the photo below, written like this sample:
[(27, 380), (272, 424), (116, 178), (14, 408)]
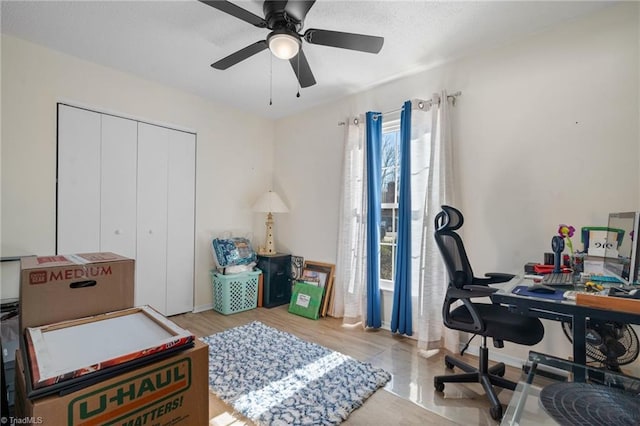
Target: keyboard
[(557, 279), (604, 279)]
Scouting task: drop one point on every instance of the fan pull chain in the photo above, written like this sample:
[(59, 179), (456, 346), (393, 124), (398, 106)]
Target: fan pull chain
[(270, 79), (298, 94)]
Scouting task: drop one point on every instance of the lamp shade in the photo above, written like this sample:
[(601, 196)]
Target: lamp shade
[(270, 202)]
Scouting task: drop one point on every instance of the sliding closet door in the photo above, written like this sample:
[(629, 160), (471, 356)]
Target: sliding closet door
[(180, 222), (118, 186), (78, 192), (151, 260)]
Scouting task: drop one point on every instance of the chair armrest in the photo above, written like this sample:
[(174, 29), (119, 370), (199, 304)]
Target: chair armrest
[(470, 291), (477, 326), (479, 290), (493, 278), (499, 277), (465, 295)]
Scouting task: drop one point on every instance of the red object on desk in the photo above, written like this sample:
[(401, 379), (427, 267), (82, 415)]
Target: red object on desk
[(547, 269)]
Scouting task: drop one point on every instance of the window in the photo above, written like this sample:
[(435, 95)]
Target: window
[(390, 158)]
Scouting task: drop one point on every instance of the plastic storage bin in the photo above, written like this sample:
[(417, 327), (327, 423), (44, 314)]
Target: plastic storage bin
[(235, 292)]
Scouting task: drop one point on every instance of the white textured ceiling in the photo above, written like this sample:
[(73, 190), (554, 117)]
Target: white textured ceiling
[(174, 42)]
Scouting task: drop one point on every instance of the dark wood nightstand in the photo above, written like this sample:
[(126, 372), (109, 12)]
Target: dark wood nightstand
[(276, 274)]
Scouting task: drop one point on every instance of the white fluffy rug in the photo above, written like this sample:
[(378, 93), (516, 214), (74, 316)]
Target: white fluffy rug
[(275, 378)]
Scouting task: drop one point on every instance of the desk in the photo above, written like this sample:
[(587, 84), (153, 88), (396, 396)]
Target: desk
[(559, 310)]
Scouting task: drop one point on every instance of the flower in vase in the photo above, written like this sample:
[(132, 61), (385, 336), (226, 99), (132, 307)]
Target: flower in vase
[(566, 232)]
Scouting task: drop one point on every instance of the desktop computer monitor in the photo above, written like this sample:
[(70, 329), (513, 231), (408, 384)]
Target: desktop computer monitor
[(622, 257)]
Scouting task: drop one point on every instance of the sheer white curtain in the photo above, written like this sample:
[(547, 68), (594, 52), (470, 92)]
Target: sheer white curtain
[(350, 285), (420, 159), (437, 189)]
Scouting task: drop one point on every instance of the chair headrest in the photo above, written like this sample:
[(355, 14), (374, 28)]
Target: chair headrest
[(449, 219)]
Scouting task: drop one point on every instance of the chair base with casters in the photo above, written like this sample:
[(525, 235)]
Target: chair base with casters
[(498, 323), (485, 375), (459, 312)]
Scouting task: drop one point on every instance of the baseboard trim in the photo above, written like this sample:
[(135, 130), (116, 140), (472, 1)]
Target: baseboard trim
[(202, 308)]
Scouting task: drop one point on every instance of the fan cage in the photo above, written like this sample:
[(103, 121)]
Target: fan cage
[(628, 338)]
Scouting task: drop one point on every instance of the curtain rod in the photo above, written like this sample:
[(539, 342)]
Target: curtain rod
[(452, 96)]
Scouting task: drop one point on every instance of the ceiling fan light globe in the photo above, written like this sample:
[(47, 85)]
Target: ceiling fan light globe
[(284, 46)]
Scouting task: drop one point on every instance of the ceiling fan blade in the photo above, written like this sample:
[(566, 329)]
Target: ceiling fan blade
[(237, 12), (302, 69), (361, 42), (298, 9), (240, 55)]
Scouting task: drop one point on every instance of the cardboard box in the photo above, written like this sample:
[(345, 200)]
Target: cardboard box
[(60, 288), (173, 391)]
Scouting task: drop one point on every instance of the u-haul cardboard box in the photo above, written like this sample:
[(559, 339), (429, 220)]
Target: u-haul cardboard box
[(63, 287), (173, 391)]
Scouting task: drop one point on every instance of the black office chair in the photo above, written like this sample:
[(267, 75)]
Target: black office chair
[(486, 320)]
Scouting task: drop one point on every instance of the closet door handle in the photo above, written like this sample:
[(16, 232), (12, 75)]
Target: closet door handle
[(117, 232)]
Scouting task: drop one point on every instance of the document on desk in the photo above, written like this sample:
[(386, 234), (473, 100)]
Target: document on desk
[(620, 304)]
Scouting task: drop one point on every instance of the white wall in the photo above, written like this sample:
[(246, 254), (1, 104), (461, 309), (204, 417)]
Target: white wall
[(545, 132), (234, 149)]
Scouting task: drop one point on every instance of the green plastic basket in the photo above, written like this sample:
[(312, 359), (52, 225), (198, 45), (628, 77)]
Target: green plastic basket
[(235, 292)]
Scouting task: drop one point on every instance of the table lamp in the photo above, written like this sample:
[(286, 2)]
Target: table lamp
[(269, 203)]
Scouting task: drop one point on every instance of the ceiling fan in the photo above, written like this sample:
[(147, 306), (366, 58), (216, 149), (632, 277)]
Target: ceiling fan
[(285, 19)]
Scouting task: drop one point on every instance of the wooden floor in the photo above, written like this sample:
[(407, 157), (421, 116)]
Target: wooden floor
[(409, 399)]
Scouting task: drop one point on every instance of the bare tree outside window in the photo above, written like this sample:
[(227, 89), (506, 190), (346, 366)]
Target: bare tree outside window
[(389, 200)]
